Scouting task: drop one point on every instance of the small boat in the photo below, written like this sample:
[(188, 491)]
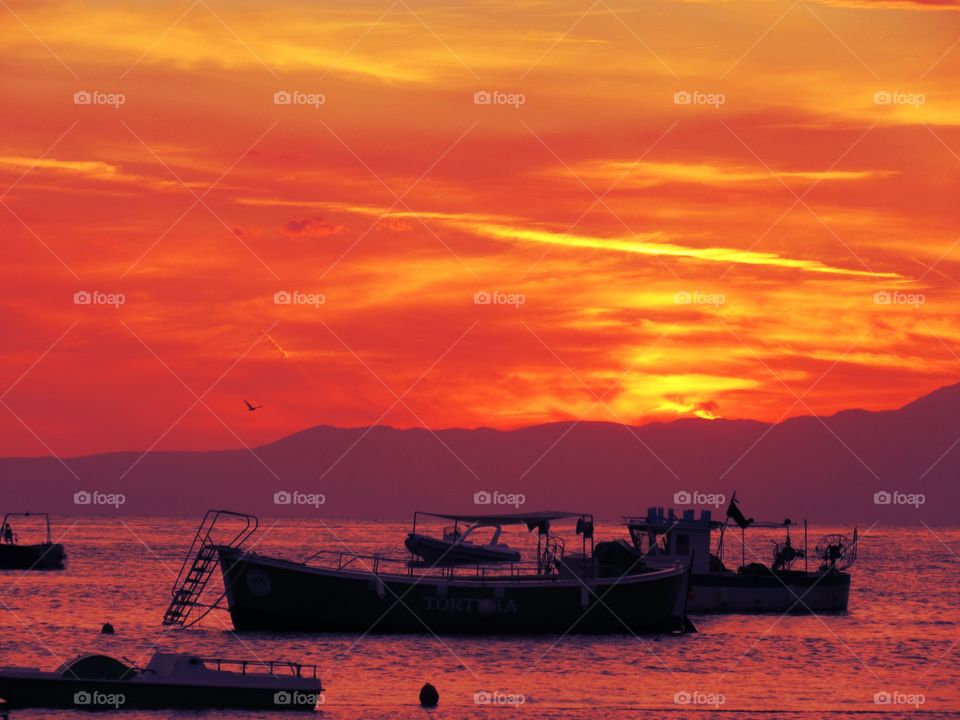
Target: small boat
[(170, 680), (571, 587), (454, 548), (754, 587), (15, 555)]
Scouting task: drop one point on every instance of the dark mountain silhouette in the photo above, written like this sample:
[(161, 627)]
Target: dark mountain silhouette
[(827, 469)]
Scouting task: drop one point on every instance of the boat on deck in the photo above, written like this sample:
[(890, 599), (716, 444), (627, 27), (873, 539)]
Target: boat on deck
[(17, 555), (571, 587), (455, 546), (754, 586), (170, 680)]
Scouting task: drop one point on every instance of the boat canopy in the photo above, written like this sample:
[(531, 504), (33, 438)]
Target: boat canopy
[(45, 516), (531, 519)]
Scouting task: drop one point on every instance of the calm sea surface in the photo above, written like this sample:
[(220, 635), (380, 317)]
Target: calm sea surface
[(900, 636)]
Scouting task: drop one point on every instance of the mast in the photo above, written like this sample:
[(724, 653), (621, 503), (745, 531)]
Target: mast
[(743, 547), (723, 529)]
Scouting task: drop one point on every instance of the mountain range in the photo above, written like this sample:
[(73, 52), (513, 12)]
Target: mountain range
[(899, 466)]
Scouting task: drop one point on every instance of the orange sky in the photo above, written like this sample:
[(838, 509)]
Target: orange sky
[(720, 257)]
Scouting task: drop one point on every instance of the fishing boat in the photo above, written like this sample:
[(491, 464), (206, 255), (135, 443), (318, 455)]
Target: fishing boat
[(782, 586), (455, 546), (571, 587), (16, 555), (170, 680)]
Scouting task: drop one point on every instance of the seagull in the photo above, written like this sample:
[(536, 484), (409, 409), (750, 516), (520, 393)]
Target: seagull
[(251, 408)]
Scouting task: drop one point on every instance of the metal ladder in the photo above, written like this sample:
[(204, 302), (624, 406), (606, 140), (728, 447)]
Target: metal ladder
[(200, 562)]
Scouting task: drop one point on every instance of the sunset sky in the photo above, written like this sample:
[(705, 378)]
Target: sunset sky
[(738, 209)]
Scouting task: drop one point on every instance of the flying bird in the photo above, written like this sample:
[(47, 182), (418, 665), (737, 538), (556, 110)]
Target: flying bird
[(251, 408)]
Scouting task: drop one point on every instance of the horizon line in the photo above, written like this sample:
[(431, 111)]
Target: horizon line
[(518, 428)]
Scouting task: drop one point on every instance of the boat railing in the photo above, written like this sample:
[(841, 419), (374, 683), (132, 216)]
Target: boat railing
[(201, 559), (379, 563), (273, 667), (204, 537)]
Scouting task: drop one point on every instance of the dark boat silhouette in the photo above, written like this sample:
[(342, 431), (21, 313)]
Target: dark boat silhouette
[(754, 587), (170, 680), (456, 547), (602, 589), (15, 555)]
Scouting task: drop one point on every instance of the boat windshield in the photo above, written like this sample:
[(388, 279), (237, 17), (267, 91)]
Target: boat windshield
[(474, 533)]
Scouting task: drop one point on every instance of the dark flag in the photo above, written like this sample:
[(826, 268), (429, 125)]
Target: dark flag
[(734, 512)]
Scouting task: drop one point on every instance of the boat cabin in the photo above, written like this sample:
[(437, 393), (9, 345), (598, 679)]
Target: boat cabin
[(666, 536)]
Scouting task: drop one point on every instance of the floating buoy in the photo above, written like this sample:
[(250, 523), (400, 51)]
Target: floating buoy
[(429, 697), (107, 629)]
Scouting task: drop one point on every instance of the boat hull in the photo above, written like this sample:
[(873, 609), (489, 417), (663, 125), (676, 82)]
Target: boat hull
[(97, 695), (270, 594), (797, 592), (43, 556)]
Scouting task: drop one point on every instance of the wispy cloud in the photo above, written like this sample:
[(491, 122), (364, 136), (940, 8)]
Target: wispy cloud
[(654, 244), (97, 170), (896, 4), (90, 168)]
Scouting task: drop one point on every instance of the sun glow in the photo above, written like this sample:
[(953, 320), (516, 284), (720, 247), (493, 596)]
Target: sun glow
[(610, 248)]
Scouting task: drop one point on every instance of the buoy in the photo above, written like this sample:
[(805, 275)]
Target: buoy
[(429, 697), (107, 629)]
